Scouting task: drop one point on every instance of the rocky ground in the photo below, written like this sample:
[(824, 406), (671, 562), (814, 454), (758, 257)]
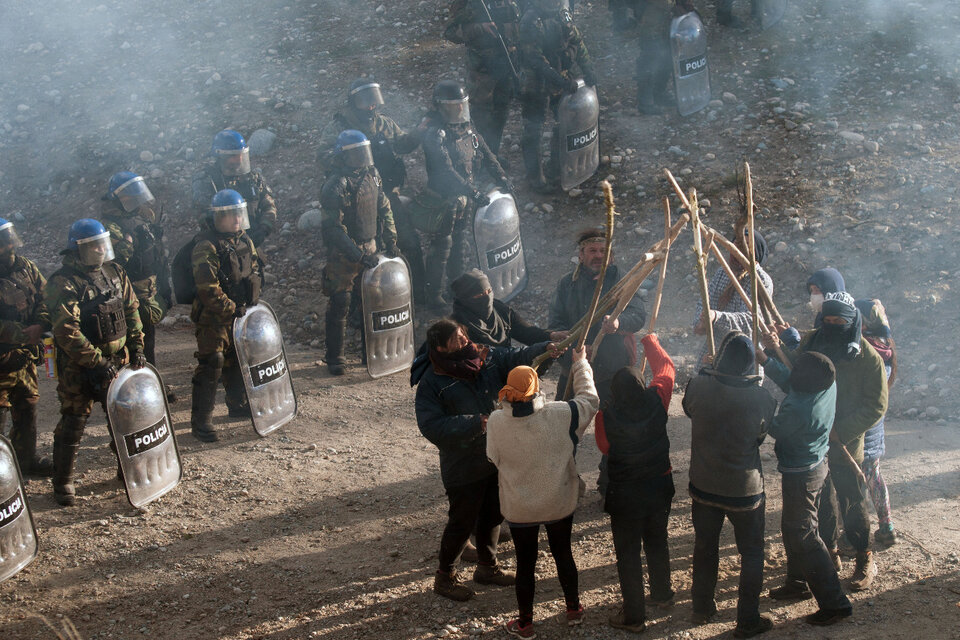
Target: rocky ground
[(846, 113)]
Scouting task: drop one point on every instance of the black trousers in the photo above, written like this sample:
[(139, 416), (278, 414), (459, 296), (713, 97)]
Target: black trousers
[(632, 535), (526, 543), (474, 508), (748, 531), (844, 500), (807, 557)]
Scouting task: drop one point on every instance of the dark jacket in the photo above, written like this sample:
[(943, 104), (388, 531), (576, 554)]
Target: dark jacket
[(802, 425), (515, 326), (450, 410)]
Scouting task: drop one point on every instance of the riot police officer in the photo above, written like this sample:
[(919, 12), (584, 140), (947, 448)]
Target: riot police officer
[(553, 50), (357, 222), (387, 143), (228, 276), (23, 320), (655, 62), (455, 153), (490, 29), (129, 215), (231, 170), (96, 325)]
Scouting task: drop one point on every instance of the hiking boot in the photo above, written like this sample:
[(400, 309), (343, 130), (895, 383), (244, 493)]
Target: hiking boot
[(619, 621), (864, 573), (448, 585), (242, 411), (39, 468), (514, 628), (662, 604), (885, 537), (336, 369), (825, 617), (470, 553), (487, 574), (762, 625), (574, 616), (203, 433), (791, 591), (837, 560)]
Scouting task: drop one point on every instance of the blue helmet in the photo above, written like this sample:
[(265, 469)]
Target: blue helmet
[(353, 149), (8, 235), (228, 202), (128, 190), (91, 241), (232, 153)]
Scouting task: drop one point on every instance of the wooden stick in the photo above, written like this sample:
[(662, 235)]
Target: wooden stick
[(701, 269), (625, 295), (655, 311), (754, 275), (742, 259)]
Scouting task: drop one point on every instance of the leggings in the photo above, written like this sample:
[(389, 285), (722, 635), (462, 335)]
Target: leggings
[(878, 491), (525, 541)]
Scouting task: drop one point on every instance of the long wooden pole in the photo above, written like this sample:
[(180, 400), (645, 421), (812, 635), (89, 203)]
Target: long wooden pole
[(701, 270), (745, 262), (754, 275), (655, 311)]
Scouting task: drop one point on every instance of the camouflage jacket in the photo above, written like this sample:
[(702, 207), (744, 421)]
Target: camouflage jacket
[(484, 51), (227, 272), (72, 291), (551, 48), (261, 206), (388, 141), (354, 210), (137, 246), (455, 153), (21, 301)]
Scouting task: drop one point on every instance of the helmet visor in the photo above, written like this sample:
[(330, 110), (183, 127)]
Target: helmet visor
[(454, 111), (366, 97), (95, 250), (234, 162), (357, 155), (133, 194), (231, 219), (9, 238)]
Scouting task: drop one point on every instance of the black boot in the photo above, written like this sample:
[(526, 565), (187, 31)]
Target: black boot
[(436, 264), (205, 380), (236, 396), (23, 435), (4, 420), (335, 324), (66, 442)]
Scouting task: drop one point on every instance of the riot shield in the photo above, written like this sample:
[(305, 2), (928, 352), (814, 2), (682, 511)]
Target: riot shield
[(578, 139), (263, 363), (385, 292), (688, 43), (18, 536), (496, 232), (139, 420), (771, 12)]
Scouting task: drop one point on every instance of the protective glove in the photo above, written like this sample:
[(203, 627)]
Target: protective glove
[(480, 199), (240, 311), (137, 359), (104, 373), (507, 187), (369, 261)]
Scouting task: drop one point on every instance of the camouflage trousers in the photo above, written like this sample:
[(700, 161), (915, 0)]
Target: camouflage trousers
[(340, 273), (22, 384), (75, 387), (213, 340)]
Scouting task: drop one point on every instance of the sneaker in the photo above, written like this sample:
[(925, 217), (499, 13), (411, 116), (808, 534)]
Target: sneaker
[(762, 625), (574, 616), (514, 628), (824, 617), (864, 573), (470, 553), (619, 621), (791, 591), (448, 585), (486, 574), (885, 537)]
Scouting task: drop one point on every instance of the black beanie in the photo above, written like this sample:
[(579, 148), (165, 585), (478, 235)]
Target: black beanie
[(812, 373)]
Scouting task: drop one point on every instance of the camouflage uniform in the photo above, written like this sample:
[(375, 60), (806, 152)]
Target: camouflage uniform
[(21, 305), (228, 276), (261, 206), (95, 322), (387, 143), (491, 82), (552, 50), (138, 247), (454, 154), (357, 221)]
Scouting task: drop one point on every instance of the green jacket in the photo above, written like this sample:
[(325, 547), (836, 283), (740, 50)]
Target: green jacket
[(21, 276), (802, 424), (221, 285)]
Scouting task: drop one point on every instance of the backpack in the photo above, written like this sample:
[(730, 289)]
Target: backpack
[(184, 286)]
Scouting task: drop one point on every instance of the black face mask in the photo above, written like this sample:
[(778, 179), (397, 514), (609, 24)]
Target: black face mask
[(482, 306)]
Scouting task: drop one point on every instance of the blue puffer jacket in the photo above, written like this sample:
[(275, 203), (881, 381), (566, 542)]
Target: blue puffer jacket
[(873, 443)]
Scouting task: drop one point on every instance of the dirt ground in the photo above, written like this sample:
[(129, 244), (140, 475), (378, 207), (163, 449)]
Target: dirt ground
[(329, 527)]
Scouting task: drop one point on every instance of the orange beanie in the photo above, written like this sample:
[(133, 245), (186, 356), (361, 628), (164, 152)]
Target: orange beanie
[(522, 385)]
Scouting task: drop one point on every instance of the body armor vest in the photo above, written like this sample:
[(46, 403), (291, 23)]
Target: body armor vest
[(147, 250), (365, 191), (246, 185), (18, 294), (464, 150), (390, 165), (238, 275), (102, 316)]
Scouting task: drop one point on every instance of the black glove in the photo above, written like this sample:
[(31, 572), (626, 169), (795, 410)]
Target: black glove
[(571, 86), (240, 311), (507, 187), (369, 261), (137, 359), (103, 373), (480, 199)]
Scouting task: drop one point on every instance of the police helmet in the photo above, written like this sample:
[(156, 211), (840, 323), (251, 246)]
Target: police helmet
[(450, 99), (8, 236), (128, 190), (232, 153), (91, 241), (364, 95), (353, 149), (227, 209)]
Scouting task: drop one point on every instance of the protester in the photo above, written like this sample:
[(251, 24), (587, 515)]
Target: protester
[(730, 412), (532, 443), (632, 431)]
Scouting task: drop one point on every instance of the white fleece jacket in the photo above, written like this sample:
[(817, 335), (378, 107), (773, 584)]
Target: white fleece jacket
[(534, 454)]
